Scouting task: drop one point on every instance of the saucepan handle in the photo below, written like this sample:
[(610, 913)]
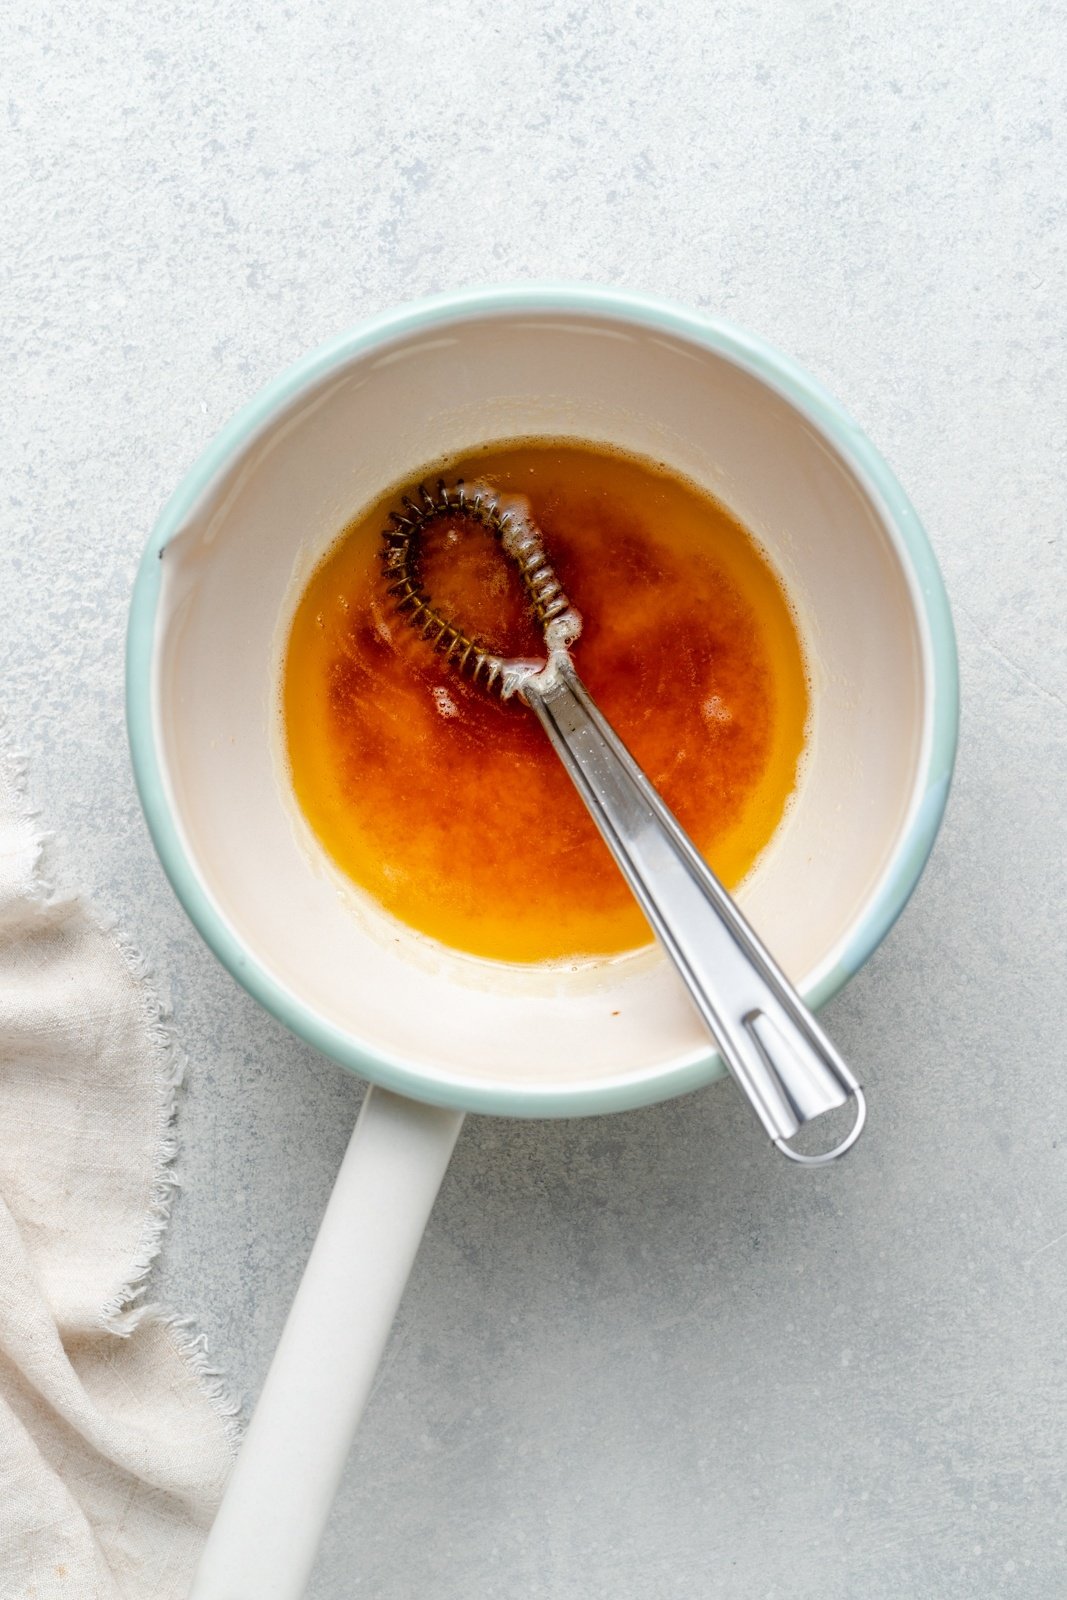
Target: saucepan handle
[(264, 1540)]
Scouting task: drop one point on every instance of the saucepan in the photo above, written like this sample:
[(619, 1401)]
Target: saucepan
[(439, 1035)]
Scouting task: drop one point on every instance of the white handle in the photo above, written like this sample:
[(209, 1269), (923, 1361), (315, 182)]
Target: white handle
[(263, 1543)]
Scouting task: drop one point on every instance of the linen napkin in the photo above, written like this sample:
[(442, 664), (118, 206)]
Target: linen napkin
[(115, 1437)]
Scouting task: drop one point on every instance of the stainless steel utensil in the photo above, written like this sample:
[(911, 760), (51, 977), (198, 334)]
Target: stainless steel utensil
[(769, 1040)]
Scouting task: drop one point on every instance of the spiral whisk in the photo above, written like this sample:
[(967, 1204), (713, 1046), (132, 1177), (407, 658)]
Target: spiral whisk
[(520, 539), (777, 1052)]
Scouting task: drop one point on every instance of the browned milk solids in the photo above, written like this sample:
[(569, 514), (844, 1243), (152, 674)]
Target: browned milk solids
[(449, 807)]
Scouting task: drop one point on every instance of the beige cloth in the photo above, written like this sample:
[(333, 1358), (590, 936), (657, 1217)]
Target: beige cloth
[(114, 1438)]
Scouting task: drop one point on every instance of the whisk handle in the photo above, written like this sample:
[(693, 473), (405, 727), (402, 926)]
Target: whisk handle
[(765, 1034)]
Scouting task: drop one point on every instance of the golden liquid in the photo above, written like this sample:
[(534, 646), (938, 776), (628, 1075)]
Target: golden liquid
[(448, 806)]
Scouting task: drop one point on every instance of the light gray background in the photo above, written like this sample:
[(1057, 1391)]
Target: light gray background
[(639, 1357)]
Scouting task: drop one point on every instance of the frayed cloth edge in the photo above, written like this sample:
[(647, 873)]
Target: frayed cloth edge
[(126, 1309)]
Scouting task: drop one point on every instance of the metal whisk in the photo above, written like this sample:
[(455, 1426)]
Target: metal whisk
[(769, 1040), (520, 539)]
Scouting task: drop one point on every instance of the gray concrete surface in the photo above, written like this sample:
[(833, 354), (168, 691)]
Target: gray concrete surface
[(639, 1359)]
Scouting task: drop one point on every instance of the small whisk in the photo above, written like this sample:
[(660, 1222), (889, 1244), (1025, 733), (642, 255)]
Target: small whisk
[(769, 1040), (520, 539)]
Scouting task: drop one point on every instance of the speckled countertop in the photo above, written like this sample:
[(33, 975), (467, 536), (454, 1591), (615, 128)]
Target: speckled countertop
[(638, 1359)]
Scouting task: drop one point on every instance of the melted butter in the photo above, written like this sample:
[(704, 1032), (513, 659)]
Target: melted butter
[(449, 807)]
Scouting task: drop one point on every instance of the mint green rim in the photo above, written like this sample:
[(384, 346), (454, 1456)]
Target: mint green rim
[(745, 350)]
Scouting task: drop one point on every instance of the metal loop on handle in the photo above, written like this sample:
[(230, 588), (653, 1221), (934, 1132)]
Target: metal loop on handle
[(839, 1149)]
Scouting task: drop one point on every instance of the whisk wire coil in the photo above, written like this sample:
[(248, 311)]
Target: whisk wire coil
[(400, 562)]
